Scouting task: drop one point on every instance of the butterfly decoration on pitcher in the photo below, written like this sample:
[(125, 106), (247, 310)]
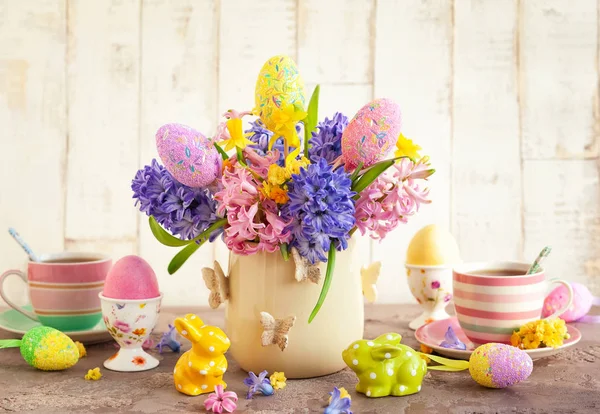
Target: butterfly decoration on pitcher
[(369, 276), (218, 284), (276, 330)]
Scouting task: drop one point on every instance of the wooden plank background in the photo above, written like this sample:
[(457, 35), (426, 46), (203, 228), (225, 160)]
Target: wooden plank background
[(502, 94)]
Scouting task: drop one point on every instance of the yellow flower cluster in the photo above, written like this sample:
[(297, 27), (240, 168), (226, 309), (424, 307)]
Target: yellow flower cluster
[(275, 186), (81, 348), (278, 380), (541, 333), (93, 374)]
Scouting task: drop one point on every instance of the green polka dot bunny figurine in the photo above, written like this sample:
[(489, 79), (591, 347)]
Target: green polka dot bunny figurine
[(45, 348)]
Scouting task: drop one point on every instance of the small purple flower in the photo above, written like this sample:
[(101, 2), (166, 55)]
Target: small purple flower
[(448, 297), (122, 326), (451, 341), (169, 339), (326, 141), (338, 405), (435, 284), (260, 384)]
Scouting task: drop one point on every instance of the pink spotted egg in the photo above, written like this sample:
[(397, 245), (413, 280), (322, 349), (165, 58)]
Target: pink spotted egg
[(371, 134), (188, 155)]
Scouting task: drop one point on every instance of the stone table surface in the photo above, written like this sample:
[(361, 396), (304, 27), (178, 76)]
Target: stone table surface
[(568, 382)]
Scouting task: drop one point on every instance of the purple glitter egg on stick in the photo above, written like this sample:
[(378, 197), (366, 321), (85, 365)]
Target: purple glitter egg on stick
[(188, 155)]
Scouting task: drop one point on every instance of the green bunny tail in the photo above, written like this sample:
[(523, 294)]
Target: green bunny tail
[(447, 364), (10, 343)]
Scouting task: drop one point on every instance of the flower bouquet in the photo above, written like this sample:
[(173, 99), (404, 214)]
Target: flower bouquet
[(285, 195), (286, 183)]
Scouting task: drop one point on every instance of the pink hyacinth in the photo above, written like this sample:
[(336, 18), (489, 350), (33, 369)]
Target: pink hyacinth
[(395, 196), (260, 163), (253, 221), (221, 401)]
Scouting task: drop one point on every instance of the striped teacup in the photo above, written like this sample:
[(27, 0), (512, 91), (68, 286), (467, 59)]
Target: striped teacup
[(63, 289), (493, 299)]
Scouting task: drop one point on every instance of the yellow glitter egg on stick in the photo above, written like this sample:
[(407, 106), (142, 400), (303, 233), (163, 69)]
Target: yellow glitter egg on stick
[(280, 98), (45, 348)]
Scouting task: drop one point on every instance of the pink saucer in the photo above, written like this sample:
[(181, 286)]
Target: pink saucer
[(432, 335)]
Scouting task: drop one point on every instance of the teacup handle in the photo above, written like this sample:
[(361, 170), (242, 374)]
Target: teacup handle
[(568, 305), (10, 303)]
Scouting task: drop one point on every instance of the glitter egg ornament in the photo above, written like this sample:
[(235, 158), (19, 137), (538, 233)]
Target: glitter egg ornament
[(499, 366), (371, 134), (188, 155), (279, 84), (45, 348)]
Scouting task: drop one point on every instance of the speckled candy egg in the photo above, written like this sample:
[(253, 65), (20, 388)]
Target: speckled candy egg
[(189, 156), (278, 84), (371, 134), (559, 297), (499, 366), (48, 349)]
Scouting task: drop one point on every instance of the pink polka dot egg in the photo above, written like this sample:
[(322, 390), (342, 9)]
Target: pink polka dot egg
[(496, 365), (371, 134), (188, 155)]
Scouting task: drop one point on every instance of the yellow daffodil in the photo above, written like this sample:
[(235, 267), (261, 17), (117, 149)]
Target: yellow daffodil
[(343, 394), (81, 349), (285, 120), (93, 374), (236, 135), (294, 165), (406, 148), (278, 380)]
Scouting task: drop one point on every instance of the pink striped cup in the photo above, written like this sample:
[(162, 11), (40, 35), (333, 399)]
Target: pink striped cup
[(490, 308), (63, 289)]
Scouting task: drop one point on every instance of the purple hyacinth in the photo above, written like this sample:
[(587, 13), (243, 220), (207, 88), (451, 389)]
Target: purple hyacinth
[(259, 134), (321, 209), (186, 212), (326, 141), (169, 339), (258, 384)]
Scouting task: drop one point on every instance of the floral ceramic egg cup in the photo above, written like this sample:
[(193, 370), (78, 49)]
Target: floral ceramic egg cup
[(432, 287), (130, 323)]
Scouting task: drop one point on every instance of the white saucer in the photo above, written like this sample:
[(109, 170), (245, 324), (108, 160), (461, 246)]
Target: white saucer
[(432, 335), (13, 321)]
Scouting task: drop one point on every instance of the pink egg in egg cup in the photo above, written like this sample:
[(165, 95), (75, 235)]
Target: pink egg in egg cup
[(130, 322)]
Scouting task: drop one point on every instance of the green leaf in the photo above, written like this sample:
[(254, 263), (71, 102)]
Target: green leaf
[(163, 236), (283, 247), (356, 172), (312, 117), (223, 153), (185, 253), (10, 343), (326, 283), (181, 257), (240, 156), (372, 173)]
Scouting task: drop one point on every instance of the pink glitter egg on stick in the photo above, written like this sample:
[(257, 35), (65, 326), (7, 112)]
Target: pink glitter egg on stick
[(188, 155), (371, 134)]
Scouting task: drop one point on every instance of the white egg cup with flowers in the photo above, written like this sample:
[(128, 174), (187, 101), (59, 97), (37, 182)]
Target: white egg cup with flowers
[(287, 209)]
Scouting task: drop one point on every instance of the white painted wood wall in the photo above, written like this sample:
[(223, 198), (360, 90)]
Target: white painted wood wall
[(502, 94)]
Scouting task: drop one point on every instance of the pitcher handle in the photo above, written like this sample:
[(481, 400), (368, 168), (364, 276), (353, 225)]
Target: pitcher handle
[(10, 303), (569, 302)]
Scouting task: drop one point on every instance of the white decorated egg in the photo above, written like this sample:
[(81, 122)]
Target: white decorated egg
[(279, 84), (188, 155), (371, 134), (499, 366)]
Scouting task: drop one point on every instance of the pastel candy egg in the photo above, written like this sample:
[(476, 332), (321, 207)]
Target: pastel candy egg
[(499, 366), (132, 278), (189, 156), (371, 134), (279, 84), (48, 349), (559, 297)]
